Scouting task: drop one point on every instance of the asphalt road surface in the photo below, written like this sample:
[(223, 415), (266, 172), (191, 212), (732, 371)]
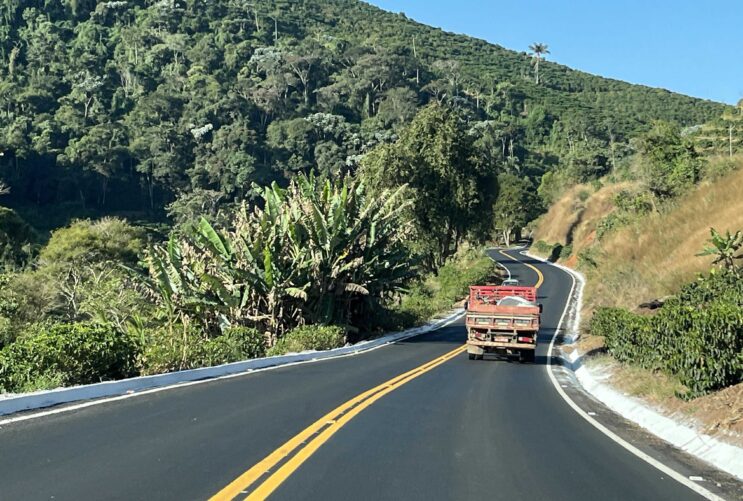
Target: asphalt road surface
[(453, 429)]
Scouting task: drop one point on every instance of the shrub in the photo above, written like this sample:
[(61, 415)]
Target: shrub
[(542, 247), (455, 277), (628, 337), (697, 336), (236, 344), (611, 222), (108, 239), (309, 337), (66, 354), (420, 303), (566, 251), (185, 347), (170, 348)]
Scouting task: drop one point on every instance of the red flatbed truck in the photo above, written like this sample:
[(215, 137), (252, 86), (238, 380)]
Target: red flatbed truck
[(502, 320)]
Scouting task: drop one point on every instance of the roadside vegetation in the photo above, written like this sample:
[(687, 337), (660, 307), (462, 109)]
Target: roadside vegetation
[(311, 266), (189, 184), (658, 242)]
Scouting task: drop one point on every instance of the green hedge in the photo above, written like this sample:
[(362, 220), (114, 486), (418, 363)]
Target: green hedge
[(236, 344), (697, 336), (309, 337), (66, 354), (187, 348)]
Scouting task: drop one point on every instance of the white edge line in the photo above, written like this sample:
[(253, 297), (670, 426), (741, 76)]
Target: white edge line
[(603, 429), (500, 264), (431, 328)]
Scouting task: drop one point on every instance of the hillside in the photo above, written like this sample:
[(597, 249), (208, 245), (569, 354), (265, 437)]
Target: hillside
[(126, 106), (651, 257), (645, 279)]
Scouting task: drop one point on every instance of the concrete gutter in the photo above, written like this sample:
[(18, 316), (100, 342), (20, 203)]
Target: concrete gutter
[(722, 455), (11, 404)]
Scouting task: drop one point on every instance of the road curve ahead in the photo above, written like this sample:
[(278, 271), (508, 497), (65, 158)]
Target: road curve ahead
[(413, 420)]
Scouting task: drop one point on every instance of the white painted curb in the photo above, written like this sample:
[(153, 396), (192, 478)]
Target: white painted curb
[(38, 400), (724, 456)]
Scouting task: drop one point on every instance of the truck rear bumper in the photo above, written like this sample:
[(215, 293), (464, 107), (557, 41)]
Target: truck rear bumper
[(504, 346)]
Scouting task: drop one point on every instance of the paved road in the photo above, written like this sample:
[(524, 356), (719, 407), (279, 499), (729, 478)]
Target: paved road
[(461, 430)]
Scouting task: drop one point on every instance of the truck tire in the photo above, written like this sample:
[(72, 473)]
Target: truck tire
[(471, 356)]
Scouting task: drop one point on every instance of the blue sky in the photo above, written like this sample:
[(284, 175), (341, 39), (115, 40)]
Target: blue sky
[(690, 46)]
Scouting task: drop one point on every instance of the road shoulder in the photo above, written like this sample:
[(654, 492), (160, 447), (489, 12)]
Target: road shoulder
[(682, 448)]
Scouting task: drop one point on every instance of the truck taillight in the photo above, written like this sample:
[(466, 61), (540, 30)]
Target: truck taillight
[(526, 340)]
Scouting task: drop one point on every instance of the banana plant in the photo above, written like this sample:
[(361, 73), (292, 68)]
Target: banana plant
[(313, 252), (726, 249)]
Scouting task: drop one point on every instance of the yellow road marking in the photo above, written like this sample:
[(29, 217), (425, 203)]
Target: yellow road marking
[(540, 281), (331, 422)]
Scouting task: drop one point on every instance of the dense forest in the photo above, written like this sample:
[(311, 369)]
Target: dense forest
[(128, 106), (187, 183)]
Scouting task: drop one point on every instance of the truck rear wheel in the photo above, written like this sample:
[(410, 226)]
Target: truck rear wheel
[(471, 356)]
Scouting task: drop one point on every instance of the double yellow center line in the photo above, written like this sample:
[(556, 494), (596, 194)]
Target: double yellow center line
[(309, 440), (540, 276)]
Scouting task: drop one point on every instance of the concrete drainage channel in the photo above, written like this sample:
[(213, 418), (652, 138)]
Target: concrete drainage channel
[(97, 393), (719, 454)]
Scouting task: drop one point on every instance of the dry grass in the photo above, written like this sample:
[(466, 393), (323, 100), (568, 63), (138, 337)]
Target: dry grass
[(572, 220), (654, 256), (554, 227), (657, 255)]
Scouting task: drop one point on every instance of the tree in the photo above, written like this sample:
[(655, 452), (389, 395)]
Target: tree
[(725, 248), (671, 162), (516, 205), (398, 107), (537, 50), (451, 189)]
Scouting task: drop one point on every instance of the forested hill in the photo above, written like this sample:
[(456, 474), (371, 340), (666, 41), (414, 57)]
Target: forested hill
[(132, 105)]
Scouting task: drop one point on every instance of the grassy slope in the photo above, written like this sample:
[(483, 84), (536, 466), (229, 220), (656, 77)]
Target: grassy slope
[(654, 256)]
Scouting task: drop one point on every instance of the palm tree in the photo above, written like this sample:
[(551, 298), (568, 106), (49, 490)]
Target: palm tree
[(4, 189), (725, 248), (537, 51)]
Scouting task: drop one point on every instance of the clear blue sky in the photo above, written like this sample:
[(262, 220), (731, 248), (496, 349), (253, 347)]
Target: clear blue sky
[(690, 46)]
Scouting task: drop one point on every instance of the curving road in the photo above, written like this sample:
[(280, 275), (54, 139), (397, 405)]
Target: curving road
[(431, 425)]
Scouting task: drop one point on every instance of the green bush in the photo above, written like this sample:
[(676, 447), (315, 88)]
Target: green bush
[(566, 251), (542, 247), (17, 239), (697, 336), (456, 276), (236, 344), (66, 354), (85, 241), (186, 347), (309, 337)]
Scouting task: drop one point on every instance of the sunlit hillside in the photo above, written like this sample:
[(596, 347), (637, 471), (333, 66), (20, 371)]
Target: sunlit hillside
[(651, 257)]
